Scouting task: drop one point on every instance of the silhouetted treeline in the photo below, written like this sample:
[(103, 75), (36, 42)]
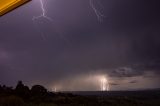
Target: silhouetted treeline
[(38, 95), (23, 91), (23, 94)]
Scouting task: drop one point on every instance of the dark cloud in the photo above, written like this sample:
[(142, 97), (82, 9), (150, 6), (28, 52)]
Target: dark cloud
[(113, 84), (126, 72), (134, 81)]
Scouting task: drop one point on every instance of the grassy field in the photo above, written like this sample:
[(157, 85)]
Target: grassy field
[(75, 100)]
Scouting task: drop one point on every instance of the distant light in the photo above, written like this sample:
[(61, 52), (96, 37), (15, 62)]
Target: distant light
[(55, 89), (8, 5)]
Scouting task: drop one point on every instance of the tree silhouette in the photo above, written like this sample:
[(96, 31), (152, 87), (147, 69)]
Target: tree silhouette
[(1, 89), (6, 90), (22, 90), (38, 90)]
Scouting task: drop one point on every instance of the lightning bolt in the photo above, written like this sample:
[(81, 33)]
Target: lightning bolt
[(99, 14), (43, 15)]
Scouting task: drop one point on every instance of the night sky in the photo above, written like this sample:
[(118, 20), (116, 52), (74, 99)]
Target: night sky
[(75, 49)]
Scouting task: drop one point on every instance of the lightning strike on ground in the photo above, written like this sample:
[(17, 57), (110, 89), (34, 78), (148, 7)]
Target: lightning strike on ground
[(104, 84)]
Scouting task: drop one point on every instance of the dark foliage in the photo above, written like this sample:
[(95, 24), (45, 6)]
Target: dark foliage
[(38, 90), (22, 90)]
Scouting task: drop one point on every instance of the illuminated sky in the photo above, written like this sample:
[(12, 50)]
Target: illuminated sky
[(74, 49)]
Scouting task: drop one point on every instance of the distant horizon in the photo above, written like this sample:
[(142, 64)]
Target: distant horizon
[(63, 91)]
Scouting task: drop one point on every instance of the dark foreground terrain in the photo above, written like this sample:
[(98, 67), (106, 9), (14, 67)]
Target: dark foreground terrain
[(39, 96)]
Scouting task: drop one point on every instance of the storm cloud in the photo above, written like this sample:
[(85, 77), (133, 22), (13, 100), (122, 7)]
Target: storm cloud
[(125, 46)]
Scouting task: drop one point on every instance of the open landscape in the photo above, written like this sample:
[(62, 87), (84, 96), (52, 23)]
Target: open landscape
[(39, 96)]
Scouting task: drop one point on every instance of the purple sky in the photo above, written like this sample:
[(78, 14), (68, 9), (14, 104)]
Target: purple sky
[(75, 46)]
